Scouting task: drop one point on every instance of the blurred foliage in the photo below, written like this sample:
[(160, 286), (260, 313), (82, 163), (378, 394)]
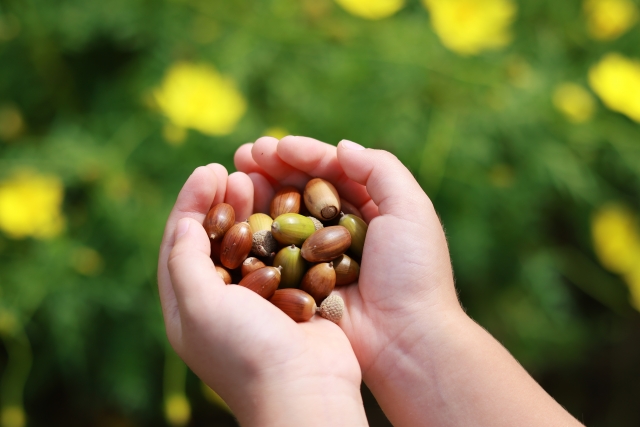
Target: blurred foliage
[(519, 118)]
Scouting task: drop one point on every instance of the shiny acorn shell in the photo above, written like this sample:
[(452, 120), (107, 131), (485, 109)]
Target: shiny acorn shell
[(219, 220), (326, 244), (347, 270), (286, 200), (322, 199), (224, 274), (292, 229), (264, 281), (319, 281), (295, 303), (358, 230), (259, 222), (236, 245), (293, 266), (250, 265)]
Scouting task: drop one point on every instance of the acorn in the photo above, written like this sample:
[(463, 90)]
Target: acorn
[(316, 222), (264, 281), (286, 200), (347, 270), (224, 274), (293, 266), (259, 222), (319, 281), (215, 250), (292, 229), (322, 199), (295, 303), (358, 230), (332, 308), (263, 243), (326, 244), (219, 220), (349, 208), (236, 245), (250, 265)]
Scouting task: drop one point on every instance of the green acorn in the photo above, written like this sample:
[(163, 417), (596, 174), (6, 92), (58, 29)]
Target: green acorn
[(293, 266), (292, 229), (358, 230)]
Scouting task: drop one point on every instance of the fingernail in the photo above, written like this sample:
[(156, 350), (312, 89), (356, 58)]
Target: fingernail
[(350, 145), (183, 226)]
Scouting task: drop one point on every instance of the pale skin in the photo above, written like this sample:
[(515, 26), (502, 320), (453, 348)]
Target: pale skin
[(404, 332)]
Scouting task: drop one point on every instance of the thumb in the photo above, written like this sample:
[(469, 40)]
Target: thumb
[(389, 183), (195, 281)]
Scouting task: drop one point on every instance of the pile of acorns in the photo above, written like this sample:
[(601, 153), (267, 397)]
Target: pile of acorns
[(297, 259)]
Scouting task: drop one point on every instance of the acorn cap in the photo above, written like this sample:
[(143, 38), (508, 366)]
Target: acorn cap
[(263, 243), (332, 308)]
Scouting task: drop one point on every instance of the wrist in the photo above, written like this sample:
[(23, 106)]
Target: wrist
[(319, 400)]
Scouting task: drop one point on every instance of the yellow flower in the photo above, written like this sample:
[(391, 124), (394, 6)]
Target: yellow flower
[(616, 238), (608, 19), (371, 9), (470, 26), (574, 102), (177, 409), (198, 97), (616, 80), (30, 205), (13, 416)]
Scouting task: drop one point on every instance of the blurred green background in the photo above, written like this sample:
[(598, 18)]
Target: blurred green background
[(519, 118)]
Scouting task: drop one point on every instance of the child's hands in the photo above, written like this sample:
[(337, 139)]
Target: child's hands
[(270, 370)]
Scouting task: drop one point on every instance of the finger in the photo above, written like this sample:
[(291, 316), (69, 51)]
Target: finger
[(194, 279), (263, 193), (222, 175), (240, 195), (264, 152), (319, 159), (193, 201), (243, 161), (389, 183)]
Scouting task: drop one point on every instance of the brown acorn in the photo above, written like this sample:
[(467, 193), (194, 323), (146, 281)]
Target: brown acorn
[(215, 250), (332, 308), (259, 222), (286, 200), (319, 281), (347, 270), (322, 199), (349, 208), (295, 303), (219, 220), (224, 274), (293, 266), (358, 230), (264, 281), (250, 265), (236, 245), (326, 244)]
